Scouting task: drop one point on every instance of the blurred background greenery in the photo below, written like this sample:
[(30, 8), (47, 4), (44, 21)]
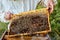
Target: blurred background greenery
[(3, 27), (54, 20)]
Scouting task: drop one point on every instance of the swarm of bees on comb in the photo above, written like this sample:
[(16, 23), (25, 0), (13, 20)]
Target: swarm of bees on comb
[(30, 22)]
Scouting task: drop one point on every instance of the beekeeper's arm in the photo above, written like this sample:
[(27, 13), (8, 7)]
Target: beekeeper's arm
[(50, 5), (4, 14)]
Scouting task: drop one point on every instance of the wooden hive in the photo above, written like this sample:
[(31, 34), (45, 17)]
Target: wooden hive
[(5, 36), (31, 22)]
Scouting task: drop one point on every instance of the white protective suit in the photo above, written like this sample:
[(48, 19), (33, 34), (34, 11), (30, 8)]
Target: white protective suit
[(18, 6)]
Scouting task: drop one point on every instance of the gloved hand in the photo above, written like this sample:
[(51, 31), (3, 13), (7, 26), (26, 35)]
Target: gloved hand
[(50, 6), (8, 15)]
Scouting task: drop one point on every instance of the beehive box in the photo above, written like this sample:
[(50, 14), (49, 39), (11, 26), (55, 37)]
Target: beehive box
[(26, 38), (5, 36), (31, 22)]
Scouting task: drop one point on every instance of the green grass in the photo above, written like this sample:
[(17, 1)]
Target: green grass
[(3, 27)]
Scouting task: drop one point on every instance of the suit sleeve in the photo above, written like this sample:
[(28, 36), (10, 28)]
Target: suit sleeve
[(46, 2), (2, 12)]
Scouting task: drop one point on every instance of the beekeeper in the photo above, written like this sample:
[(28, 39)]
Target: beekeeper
[(9, 7)]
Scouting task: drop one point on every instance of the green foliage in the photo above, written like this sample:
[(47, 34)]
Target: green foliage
[(3, 27), (55, 22)]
